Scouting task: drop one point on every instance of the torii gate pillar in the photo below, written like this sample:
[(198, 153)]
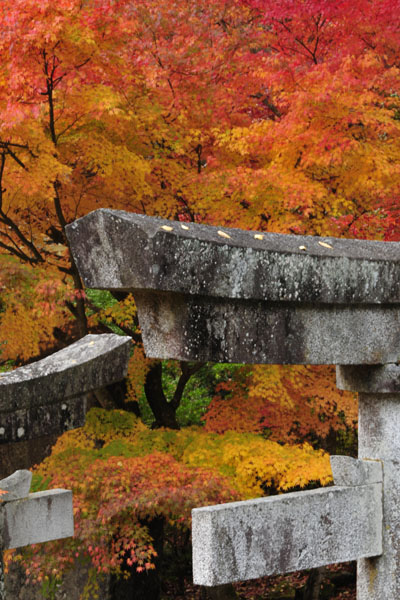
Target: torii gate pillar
[(379, 438)]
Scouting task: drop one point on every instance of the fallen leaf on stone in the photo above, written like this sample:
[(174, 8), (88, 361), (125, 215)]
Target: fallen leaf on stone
[(184, 227), (302, 248), (223, 234), (325, 245), (258, 236), (167, 228)]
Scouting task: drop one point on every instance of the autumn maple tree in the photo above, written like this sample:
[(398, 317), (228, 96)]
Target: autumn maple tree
[(77, 127), (278, 116), (319, 155), (270, 115)]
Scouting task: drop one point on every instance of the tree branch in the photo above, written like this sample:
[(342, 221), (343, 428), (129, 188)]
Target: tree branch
[(187, 371)]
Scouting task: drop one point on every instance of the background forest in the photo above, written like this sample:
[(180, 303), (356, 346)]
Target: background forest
[(279, 116)]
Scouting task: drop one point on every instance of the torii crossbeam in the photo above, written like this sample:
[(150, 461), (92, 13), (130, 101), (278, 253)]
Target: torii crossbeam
[(50, 395), (226, 295)]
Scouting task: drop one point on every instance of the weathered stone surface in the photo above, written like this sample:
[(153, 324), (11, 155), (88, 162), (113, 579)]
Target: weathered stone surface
[(233, 296), (27, 453), (40, 517), (120, 250), (194, 328), (89, 363), (379, 379), (32, 423), (16, 485), (49, 396), (379, 438), (301, 530), (204, 297), (350, 471)]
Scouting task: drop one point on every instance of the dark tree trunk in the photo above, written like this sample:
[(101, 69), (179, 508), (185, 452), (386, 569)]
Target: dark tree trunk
[(312, 589), (145, 585), (80, 303), (163, 411)]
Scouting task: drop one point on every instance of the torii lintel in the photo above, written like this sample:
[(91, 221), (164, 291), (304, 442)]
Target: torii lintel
[(216, 294)]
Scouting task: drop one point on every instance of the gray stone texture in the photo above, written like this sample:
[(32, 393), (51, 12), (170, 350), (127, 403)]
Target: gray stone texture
[(195, 328), (202, 296), (32, 423), (16, 485), (50, 395), (350, 471), (39, 517), (379, 379), (300, 530), (379, 438), (120, 250)]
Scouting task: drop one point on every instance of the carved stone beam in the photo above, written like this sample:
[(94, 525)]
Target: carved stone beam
[(217, 294), (300, 530), (49, 396)]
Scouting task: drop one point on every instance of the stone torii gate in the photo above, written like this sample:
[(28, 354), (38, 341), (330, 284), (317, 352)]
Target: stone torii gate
[(50, 396), (226, 295)]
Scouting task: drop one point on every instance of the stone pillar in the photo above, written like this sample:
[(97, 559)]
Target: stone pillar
[(379, 439)]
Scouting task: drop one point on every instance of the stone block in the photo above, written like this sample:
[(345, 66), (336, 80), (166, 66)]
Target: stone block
[(16, 485), (201, 329), (351, 471), (280, 534), (49, 396), (39, 517), (377, 379), (204, 294), (120, 250), (379, 439)]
